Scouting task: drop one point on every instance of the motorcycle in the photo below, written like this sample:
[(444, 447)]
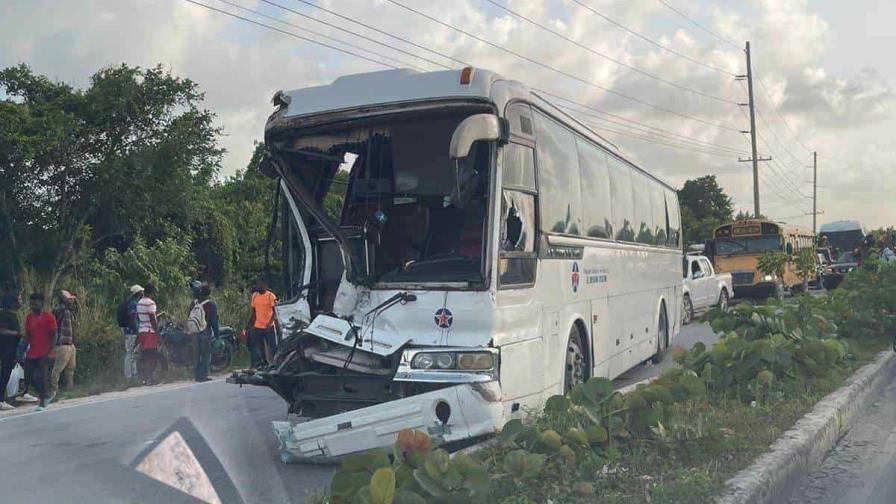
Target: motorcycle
[(178, 347)]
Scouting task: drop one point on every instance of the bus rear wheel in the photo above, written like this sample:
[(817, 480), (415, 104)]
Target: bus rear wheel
[(662, 337), (576, 370)]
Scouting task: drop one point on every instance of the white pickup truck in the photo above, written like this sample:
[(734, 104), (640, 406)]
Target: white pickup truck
[(703, 287)]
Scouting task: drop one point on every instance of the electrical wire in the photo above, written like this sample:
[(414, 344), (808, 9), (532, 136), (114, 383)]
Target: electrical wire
[(364, 37), (651, 41), (698, 25), (383, 32), (610, 58), (599, 111), (552, 68), (321, 35), (777, 111), (300, 37), (657, 131)]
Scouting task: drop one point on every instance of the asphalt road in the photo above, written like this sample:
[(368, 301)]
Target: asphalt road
[(104, 451), (861, 469)]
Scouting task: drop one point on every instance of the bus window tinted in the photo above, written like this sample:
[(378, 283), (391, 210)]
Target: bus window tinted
[(558, 177), (595, 190), (660, 219), (519, 167), (623, 206), (643, 208), (674, 219)]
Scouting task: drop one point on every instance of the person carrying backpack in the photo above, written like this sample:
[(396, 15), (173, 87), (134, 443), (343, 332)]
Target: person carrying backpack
[(202, 325), (126, 317)]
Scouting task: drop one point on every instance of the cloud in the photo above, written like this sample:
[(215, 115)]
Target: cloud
[(240, 66)]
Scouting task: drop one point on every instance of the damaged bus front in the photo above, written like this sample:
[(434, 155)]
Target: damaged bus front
[(388, 323)]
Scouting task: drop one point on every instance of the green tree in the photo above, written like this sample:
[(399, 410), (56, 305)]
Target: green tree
[(704, 206), (83, 170)]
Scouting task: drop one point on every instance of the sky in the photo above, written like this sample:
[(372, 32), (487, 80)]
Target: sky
[(822, 74)]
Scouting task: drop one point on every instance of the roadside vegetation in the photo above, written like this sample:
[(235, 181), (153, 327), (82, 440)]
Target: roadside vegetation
[(677, 439)]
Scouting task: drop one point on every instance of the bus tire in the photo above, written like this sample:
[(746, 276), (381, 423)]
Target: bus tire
[(662, 337), (687, 310), (575, 370)]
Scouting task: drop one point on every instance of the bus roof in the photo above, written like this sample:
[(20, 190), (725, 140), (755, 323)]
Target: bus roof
[(842, 225), (387, 86)]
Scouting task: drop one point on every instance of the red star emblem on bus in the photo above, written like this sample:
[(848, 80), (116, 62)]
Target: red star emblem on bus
[(443, 318), (575, 277)]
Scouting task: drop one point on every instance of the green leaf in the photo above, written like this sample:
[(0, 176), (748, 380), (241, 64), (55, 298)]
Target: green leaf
[(382, 486), (556, 404), (408, 497), (597, 434)]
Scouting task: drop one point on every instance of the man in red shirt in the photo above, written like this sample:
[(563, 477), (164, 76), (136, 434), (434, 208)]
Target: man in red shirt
[(40, 333)]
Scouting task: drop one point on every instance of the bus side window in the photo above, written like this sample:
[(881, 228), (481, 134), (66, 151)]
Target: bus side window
[(517, 259)]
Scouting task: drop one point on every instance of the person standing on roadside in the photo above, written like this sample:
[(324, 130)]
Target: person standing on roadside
[(10, 333), (147, 336), (263, 341), (203, 319), (64, 352), (126, 315), (40, 332)]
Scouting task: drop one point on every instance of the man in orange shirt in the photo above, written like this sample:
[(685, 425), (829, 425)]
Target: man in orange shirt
[(262, 339)]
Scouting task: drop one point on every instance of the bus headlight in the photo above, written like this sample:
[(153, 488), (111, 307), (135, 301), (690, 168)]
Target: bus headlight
[(463, 361), (768, 278)]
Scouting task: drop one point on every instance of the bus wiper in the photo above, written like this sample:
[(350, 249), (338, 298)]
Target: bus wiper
[(401, 297)]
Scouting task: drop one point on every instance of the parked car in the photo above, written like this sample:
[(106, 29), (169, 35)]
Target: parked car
[(843, 264), (703, 287)]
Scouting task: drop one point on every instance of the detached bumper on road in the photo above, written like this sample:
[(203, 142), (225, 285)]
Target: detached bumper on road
[(449, 414)]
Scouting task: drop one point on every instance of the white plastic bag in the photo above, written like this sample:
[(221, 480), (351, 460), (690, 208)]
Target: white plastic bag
[(12, 388)]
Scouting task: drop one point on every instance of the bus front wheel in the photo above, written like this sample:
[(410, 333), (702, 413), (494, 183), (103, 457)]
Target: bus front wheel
[(576, 370), (662, 337)]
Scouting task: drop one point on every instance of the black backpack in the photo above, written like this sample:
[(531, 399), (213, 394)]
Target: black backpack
[(123, 316)]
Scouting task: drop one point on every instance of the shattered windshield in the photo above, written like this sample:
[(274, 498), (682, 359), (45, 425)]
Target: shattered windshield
[(423, 214), (753, 245)]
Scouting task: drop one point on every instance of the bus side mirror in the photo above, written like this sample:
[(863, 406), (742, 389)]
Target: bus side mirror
[(474, 128)]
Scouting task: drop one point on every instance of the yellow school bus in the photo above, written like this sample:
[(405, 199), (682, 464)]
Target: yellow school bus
[(738, 245)]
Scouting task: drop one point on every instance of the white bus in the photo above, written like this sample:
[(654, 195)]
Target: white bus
[(491, 251)]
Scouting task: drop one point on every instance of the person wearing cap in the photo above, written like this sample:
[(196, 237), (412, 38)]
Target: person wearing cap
[(128, 325), (40, 332), (10, 333), (65, 351), (148, 336)]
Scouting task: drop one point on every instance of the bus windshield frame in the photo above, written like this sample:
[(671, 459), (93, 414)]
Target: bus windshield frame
[(748, 245)]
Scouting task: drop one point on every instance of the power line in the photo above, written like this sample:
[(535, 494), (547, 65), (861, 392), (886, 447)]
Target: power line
[(778, 139), (781, 169), (331, 25), (610, 58), (552, 68), (659, 142), (306, 39), (653, 42), (383, 32), (698, 25), (781, 116), (656, 131), (318, 34), (599, 111)]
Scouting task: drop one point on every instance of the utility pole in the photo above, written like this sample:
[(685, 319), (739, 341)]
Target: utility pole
[(755, 157), (814, 192)]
